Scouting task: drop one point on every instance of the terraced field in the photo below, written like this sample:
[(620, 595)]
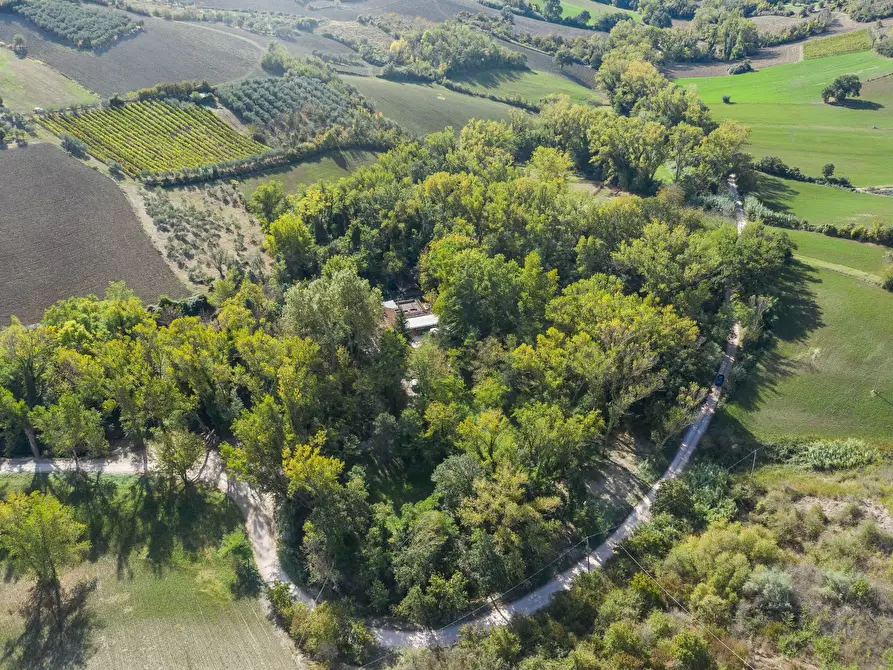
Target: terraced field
[(68, 230), (156, 136), (783, 107)]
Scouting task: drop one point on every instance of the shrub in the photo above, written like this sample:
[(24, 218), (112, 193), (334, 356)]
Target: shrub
[(727, 100), (836, 454), (740, 68), (887, 278), (772, 592), (73, 145)]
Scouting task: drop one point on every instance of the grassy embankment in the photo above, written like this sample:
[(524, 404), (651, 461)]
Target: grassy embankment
[(155, 591), (825, 204), (570, 8), (783, 107), (329, 166)]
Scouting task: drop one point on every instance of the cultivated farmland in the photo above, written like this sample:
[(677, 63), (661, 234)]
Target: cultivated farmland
[(156, 136), (83, 26), (167, 52), (67, 230), (783, 107), (857, 40), (328, 166)]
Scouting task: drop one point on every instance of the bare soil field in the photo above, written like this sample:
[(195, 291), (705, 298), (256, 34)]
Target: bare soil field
[(167, 51), (68, 230), (784, 53)]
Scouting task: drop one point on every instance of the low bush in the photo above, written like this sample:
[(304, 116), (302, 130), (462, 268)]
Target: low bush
[(739, 68), (73, 145)]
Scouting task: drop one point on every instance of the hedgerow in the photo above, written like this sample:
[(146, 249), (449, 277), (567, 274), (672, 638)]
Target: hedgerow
[(87, 27)]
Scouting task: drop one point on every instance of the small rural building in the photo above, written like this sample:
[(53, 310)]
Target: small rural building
[(417, 315)]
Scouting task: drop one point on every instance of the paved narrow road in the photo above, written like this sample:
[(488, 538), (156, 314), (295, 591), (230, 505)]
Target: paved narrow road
[(261, 526)]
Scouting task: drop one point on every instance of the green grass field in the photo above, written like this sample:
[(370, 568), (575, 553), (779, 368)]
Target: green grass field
[(425, 108), (532, 85), (329, 166), (846, 43), (154, 593), (831, 346), (857, 255), (825, 204), (783, 107), (571, 8), (26, 83)]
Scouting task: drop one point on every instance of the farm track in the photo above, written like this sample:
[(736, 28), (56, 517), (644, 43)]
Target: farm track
[(68, 230)]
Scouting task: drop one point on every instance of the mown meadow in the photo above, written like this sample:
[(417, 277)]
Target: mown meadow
[(783, 107), (829, 371)]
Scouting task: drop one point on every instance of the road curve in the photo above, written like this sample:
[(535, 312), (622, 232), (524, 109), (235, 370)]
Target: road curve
[(261, 526)]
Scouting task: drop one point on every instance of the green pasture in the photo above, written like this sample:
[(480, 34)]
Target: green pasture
[(860, 256), (26, 83), (531, 85), (783, 107), (425, 108), (328, 166), (830, 348), (845, 43), (825, 204), (570, 8), (154, 592)]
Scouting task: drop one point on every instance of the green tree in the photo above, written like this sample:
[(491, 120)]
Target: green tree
[(291, 240), (691, 652), (70, 429), (843, 87), (562, 58), (268, 201), (338, 309), (42, 537), (177, 451)]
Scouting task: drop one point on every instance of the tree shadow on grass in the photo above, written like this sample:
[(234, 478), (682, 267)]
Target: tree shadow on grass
[(855, 103), (49, 641), (774, 192), (796, 315), (143, 514)]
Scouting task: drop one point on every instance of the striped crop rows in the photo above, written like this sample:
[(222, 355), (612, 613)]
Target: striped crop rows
[(155, 136)]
